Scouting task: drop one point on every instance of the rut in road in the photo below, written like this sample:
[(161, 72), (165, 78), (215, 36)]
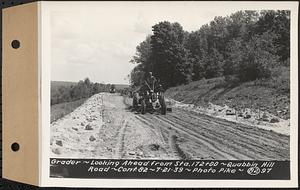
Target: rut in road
[(130, 138), (120, 140), (187, 134), (167, 136), (235, 140), (248, 140)]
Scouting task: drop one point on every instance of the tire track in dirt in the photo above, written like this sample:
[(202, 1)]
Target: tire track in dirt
[(168, 137), (210, 143), (171, 139), (192, 135), (248, 141), (244, 143), (112, 130), (133, 139), (156, 130), (173, 143), (245, 129), (118, 152), (217, 137)]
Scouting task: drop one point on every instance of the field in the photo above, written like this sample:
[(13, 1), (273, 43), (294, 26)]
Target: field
[(66, 104), (62, 109), (55, 85), (121, 86)]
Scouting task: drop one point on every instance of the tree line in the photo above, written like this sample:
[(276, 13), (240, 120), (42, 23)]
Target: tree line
[(83, 89), (245, 46)]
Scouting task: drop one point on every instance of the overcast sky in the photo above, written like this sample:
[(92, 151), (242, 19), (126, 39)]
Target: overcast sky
[(97, 41)]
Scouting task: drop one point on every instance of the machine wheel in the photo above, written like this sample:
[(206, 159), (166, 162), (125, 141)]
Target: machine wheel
[(143, 106), (135, 103), (163, 106)]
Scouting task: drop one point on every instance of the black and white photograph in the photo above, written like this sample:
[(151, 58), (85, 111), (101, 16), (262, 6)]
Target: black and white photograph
[(179, 81)]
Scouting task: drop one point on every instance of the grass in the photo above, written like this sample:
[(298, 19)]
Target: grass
[(62, 109), (55, 85)]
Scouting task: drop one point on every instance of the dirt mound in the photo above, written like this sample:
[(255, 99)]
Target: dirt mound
[(250, 95), (253, 117)]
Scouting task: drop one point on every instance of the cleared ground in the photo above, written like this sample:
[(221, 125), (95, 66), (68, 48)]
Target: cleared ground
[(105, 127)]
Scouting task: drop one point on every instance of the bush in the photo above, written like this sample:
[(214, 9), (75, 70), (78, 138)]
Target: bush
[(259, 55), (279, 80)]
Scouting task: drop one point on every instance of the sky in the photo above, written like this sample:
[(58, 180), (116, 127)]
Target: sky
[(99, 39)]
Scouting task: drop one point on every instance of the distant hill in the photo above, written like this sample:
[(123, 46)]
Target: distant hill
[(68, 83), (121, 86), (56, 84), (62, 83)]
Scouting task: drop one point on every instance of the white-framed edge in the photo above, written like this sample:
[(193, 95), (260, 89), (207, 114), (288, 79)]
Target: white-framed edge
[(39, 16), (44, 14)]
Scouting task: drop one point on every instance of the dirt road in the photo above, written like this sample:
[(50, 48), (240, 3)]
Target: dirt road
[(105, 127)]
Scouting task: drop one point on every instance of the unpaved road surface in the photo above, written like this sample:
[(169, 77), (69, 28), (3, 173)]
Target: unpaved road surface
[(105, 127)]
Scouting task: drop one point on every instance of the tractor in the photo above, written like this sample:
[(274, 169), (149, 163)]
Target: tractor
[(150, 99), (112, 89)]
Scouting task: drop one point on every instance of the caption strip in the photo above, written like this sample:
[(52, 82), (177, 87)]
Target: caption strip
[(169, 169)]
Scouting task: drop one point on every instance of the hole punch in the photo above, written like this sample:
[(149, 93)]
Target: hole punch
[(15, 147), (15, 44)]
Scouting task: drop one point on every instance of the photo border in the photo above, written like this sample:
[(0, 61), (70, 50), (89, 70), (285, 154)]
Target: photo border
[(45, 63)]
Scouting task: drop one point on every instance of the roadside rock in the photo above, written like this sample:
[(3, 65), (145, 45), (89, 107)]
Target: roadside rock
[(59, 143), (56, 150), (92, 138), (131, 153), (140, 153), (230, 112), (88, 127), (247, 115), (265, 117), (274, 120), (154, 147)]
